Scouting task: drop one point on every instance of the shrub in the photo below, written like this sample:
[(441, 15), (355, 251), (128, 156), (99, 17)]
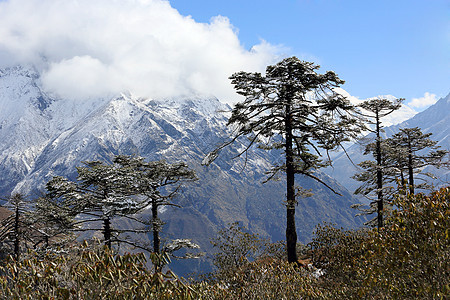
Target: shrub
[(267, 278), (88, 274), (407, 259)]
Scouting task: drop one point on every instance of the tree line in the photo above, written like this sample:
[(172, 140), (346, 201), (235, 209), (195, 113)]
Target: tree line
[(408, 259)]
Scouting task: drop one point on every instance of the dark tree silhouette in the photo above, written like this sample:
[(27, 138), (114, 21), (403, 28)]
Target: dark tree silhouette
[(374, 110), (19, 231), (296, 110)]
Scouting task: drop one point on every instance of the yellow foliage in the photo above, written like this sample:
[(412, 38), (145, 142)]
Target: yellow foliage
[(88, 274)]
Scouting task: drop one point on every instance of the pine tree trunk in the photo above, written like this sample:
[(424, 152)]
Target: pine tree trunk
[(107, 232), (16, 233), (411, 173), (155, 227), (379, 175), (402, 179), (291, 232)]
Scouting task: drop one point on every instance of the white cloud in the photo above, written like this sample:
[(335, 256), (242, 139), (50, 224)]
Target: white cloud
[(80, 78), (90, 48), (425, 101)]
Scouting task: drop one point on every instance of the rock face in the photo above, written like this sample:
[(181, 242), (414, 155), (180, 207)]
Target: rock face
[(44, 136)]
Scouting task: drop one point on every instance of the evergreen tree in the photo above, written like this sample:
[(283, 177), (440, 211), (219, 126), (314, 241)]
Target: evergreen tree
[(54, 224), (124, 188), (411, 151), (100, 193), (375, 110), (370, 183), (11, 231), (158, 182), (18, 230), (296, 110)]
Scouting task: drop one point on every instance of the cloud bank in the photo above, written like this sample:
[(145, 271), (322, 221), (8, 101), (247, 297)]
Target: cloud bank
[(88, 48), (425, 101)]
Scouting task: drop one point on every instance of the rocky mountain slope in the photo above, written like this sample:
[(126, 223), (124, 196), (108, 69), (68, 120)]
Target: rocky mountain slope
[(43, 136)]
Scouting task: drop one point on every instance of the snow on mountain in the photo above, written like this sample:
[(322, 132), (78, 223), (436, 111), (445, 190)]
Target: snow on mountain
[(43, 136), (36, 129), (404, 113), (28, 120)]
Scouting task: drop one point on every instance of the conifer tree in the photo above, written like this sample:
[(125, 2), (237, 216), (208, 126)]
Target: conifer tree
[(157, 182), (124, 188), (293, 109), (100, 193), (411, 151), (375, 109), (18, 230), (11, 228)]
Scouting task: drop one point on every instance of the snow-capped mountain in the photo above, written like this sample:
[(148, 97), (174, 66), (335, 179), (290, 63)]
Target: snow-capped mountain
[(435, 119), (43, 136)]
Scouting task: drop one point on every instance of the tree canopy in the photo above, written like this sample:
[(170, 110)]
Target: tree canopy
[(411, 151)]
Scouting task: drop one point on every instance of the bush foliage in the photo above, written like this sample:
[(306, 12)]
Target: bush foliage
[(407, 259), (86, 273)]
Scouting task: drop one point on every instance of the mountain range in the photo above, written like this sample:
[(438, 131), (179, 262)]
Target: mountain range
[(43, 136)]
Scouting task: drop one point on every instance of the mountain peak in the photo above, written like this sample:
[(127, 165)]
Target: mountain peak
[(53, 138)]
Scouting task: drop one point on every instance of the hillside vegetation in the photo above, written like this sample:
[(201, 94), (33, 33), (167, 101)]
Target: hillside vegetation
[(407, 259)]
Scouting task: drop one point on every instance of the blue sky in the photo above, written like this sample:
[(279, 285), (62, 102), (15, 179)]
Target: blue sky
[(170, 48), (379, 47)]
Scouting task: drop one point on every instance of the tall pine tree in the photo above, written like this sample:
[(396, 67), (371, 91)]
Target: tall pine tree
[(374, 110), (293, 109)]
